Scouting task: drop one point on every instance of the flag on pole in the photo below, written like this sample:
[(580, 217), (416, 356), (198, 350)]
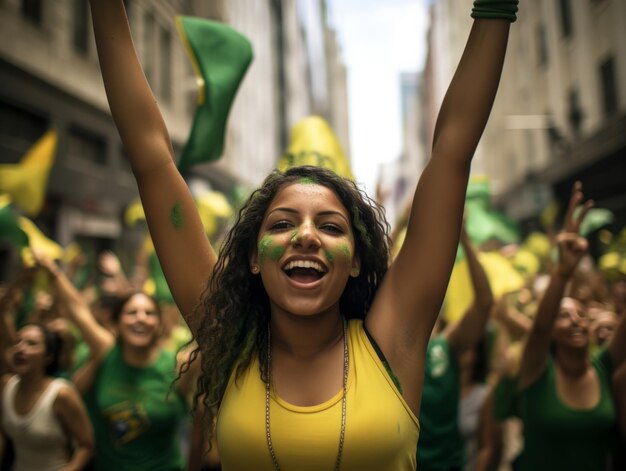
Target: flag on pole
[(220, 57), (26, 181)]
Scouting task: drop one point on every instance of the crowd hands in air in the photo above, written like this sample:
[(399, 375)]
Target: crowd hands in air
[(303, 307), (565, 315)]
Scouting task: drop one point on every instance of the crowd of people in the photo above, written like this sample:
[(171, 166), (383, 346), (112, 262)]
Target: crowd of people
[(534, 378), (313, 348)]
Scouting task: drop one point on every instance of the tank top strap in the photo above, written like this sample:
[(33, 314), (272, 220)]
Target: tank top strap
[(9, 392), (50, 394), (47, 398)]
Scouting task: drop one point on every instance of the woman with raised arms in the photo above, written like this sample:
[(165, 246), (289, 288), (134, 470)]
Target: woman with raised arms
[(313, 346)]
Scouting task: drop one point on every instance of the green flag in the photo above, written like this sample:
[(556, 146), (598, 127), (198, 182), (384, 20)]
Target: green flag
[(10, 229), (220, 57), (482, 222), (595, 219)]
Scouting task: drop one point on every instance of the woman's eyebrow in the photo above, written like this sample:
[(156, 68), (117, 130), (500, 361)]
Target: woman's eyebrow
[(321, 213), (331, 213), (287, 210)]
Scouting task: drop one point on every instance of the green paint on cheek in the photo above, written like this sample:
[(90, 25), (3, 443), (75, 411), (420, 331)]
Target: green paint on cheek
[(329, 255), (176, 216), (345, 250), (294, 236), (264, 247), (308, 181), (277, 252)]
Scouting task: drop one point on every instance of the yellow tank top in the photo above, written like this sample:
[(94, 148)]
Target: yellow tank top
[(381, 429)]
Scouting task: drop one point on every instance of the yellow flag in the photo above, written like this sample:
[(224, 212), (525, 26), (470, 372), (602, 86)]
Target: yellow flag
[(313, 142), (38, 242), (134, 213), (26, 181), (212, 206), (502, 277)]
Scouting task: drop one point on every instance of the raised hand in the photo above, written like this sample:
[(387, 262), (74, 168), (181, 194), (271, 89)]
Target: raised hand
[(571, 245), (109, 264)]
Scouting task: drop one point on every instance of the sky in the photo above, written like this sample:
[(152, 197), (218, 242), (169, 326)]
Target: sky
[(379, 40)]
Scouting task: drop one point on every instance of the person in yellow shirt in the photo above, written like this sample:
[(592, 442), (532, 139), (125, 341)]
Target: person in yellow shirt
[(308, 337)]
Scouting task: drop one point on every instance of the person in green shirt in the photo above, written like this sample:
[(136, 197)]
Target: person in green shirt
[(308, 252), (441, 446), (127, 383), (565, 399)]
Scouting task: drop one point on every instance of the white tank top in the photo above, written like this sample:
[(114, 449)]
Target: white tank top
[(39, 442)]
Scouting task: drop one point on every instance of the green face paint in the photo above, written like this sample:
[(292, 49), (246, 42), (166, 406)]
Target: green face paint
[(329, 255), (176, 216), (345, 250), (265, 245), (277, 252), (294, 236), (308, 181)]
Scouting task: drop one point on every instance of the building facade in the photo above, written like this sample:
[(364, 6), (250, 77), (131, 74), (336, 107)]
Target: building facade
[(560, 112), (50, 78)]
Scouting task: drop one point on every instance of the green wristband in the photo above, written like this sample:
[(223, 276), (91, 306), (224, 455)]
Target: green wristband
[(505, 9)]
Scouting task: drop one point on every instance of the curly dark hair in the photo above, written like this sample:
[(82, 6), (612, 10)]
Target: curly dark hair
[(235, 308)]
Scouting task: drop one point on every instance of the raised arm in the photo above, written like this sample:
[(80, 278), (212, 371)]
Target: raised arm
[(489, 438), (99, 339), (116, 281), (516, 323), (571, 247), (183, 249), (466, 333), (409, 300)]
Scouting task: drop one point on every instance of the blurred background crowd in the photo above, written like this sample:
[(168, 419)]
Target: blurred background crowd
[(67, 194)]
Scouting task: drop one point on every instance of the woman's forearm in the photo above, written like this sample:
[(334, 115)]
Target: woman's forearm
[(133, 106), (469, 98)]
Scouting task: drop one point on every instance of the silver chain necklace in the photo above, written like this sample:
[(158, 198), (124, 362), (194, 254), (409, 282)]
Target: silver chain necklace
[(343, 400)]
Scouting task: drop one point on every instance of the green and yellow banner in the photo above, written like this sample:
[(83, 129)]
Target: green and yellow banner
[(220, 57)]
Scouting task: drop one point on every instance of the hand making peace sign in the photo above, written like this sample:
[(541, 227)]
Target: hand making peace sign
[(572, 246)]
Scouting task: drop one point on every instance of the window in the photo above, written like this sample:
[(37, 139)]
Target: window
[(19, 129), (83, 145), (148, 46), (542, 46), (609, 87), (31, 9), (566, 18), (575, 112), (165, 65), (81, 20)]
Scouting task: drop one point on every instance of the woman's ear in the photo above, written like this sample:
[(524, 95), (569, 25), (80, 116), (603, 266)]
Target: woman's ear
[(355, 271), (254, 263)]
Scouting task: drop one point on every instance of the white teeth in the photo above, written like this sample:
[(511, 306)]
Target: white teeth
[(304, 264)]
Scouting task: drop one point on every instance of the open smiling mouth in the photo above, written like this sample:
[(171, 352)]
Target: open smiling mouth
[(19, 359), (304, 271)]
